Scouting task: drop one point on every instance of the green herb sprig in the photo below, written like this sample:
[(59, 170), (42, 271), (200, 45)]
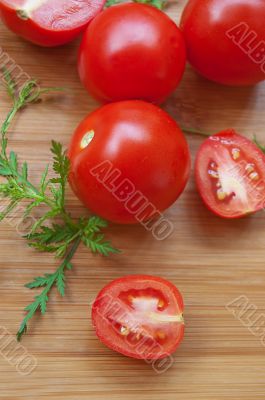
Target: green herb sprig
[(47, 234)]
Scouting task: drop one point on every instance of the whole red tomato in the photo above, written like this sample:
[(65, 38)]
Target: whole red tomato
[(226, 39), (230, 175), (132, 51), (140, 316), (129, 160), (48, 22)]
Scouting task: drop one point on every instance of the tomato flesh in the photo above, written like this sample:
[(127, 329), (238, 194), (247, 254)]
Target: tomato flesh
[(48, 22), (226, 39), (230, 175), (132, 51), (139, 316), (127, 157)]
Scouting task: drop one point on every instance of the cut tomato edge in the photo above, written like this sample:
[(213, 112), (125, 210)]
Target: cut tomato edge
[(19, 12)]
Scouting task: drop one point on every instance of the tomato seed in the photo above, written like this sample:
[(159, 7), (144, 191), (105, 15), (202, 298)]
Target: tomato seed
[(221, 195), (213, 174), (213, 165), (249, 168), (161, 303), (254, 176), (161, 335), (124, 331), (235, 154)]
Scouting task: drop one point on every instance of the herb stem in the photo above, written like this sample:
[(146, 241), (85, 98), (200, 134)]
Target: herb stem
[(195, 131), (4, 128), (11, 115), (67, 219), (76, 237), (40, 301), (73, 249)]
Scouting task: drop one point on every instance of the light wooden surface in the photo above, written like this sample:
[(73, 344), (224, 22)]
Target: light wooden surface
[(212, 261)]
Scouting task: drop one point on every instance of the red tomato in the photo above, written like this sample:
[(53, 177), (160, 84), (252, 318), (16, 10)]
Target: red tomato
[(132, 51), (128, 160), (139, 316), (230, 175), (225, 39), (48, 22)]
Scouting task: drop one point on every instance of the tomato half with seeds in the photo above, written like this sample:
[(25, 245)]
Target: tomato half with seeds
[(139, 316), (230, 175), (48, 22)]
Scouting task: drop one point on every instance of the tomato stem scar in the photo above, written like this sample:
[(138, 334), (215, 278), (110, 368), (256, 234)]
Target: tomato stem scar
[(194, 131), (30, 6), (87, 138)]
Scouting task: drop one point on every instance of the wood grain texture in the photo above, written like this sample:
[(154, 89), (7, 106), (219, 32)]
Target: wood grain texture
[(212, 261)]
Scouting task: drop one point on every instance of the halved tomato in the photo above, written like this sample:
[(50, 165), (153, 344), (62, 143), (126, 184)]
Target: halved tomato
[(139, 316), (230, 175), (48, 22)]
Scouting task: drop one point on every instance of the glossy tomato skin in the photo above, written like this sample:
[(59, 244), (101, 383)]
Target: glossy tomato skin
[(230, 175), (115, 303), (132, 51), (225, 39), (138, 143), (51, 24)]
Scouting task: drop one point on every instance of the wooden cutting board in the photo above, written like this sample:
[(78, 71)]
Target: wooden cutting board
[(211, 260)]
